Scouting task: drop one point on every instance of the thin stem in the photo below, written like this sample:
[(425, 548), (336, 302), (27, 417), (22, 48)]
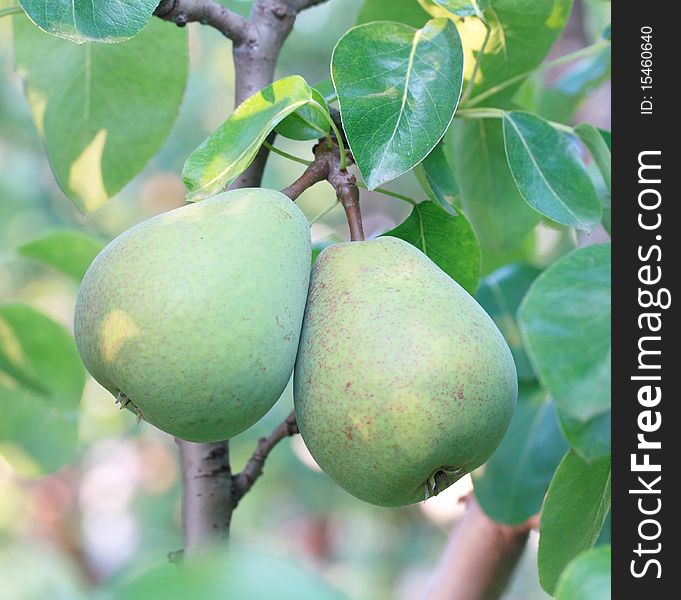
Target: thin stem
[(381, 190), (581, 53), (11, 10), (478, 59), (498, 113), (244, 481), (324, 212), (341, 146), (297, 159)]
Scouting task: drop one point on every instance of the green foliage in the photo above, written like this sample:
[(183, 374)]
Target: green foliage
[(245, 573), (398, 89), (571, 521), (512, 484), (587, 577), (229, 150), (490, 173), (308, 122), (41, 382), (449, 241), (522, 33), (103, 110), (565, 320), (489, 195), (67, 251), (90, 20), (500, 294), (560, 101), (437, 178), (463, 8), (548, 172), (598, 143), (408, 12)]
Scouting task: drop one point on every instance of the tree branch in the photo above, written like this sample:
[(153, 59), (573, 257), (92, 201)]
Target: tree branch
[(244, 481), (210, 492), (208, 12), (326, 166), (207, 501), (480, 557)]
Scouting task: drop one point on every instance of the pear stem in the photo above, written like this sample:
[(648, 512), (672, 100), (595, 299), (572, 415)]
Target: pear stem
[(328, 165)]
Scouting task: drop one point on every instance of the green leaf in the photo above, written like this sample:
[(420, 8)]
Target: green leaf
[(402, 11), (560, 101), (463, 8), (522, 34), (549, 173), (598, 143), (398, 89), (326, 89), (565, 322), (574, 511), (103, 110), (489, 196), (594, 140), (587, 577), (241, 572), (90, 20), (437, 178), (606, 34), (228, 151), (308, 122), (449, 241), (511, 486), (67, 251), (500, 294), (40, 417)]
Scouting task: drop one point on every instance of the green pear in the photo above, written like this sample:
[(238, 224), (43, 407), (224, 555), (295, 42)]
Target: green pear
[(193, 316), (403, 384)]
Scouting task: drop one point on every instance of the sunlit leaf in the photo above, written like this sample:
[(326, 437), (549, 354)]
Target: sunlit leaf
[(463, 8), (308, 122), (231, 148), (103, 110), (398, 88), (523, 32), (90, 20)]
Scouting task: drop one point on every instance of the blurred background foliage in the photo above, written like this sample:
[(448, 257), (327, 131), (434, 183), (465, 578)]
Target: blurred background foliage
[(115, 507)]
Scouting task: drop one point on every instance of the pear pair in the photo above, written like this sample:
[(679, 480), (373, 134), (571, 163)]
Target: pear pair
[(194, 318)]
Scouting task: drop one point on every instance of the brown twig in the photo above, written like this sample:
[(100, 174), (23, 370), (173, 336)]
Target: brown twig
[(208, 12), (244, 481), (480, 557), (326, 166)]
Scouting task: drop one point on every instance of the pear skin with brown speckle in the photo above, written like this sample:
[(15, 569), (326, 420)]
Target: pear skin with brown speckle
[(193, 317), (403, 383)]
